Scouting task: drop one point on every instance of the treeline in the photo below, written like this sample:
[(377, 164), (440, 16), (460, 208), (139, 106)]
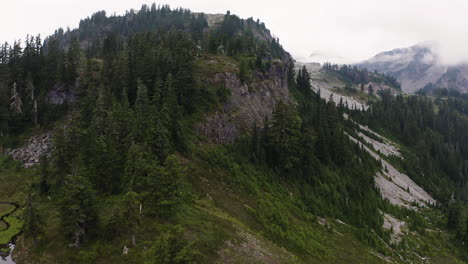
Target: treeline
[(233, 36), (434, 128), (361, 76), (39, 81), (434, 90)]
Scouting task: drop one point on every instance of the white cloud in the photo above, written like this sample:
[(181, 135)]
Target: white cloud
[(352, 30)]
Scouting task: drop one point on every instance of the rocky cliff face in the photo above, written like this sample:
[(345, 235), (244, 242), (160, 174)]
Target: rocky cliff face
[(61, 94), (249, 103), (455, 78)]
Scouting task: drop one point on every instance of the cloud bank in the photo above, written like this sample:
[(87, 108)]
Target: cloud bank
[(344, 30)]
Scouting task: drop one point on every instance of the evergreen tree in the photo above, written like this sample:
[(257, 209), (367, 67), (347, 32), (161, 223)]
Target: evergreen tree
[(131, 213), (77, 209), (285, 136), (33, 224), (16, 104), (142, 103)]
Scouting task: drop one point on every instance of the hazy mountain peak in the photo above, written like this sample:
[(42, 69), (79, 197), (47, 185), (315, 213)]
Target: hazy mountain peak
[(414, 66)]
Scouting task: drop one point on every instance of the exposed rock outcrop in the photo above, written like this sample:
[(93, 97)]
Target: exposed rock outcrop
[(249, 103), (30, 153), (397, 228), (395, 186), (456, 78), (61, 94)]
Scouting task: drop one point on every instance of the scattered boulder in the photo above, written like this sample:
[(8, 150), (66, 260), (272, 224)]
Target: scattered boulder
[(30, 153)]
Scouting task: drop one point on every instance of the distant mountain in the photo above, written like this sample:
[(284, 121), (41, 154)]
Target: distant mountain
[(455, 78), (415, 67)]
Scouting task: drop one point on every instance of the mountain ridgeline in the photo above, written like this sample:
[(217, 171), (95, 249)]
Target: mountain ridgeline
[(420, 69), (182, 137)]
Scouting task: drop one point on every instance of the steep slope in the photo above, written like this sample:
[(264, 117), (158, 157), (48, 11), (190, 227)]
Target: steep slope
[(333, 83), (329, 86), (249, 103), (456, 78), (395, 186), (191, 139), (419, 67)]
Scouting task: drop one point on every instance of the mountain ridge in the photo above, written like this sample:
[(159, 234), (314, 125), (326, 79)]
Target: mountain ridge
[(419, 68), (194, 139)]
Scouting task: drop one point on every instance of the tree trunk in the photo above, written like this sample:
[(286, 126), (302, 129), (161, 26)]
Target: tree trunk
[(35, 113), (133, 239), (77, 240)]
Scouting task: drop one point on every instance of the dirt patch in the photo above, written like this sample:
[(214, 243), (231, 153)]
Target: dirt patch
[(251, 249)]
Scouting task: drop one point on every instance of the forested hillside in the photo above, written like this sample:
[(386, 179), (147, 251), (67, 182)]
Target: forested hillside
[(176, 140), (434, 131)]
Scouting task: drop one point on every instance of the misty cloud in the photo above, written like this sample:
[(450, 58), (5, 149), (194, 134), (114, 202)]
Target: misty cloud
[(344, 31)]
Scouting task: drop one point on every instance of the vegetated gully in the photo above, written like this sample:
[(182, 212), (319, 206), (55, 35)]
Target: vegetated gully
[(5, 257)]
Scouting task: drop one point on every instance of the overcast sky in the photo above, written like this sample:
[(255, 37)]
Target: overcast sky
[(344, 31)]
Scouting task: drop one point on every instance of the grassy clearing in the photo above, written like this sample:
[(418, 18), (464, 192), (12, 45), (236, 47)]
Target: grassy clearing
[(6, 209), (13, 180), (14, 229), (3, 226)]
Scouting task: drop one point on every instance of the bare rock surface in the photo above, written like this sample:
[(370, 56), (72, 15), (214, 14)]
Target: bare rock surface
[(397, 187), (61, 94), (30, 153), (327, 93), (321, 82), (385, 147), (396, 226), (248, 104)]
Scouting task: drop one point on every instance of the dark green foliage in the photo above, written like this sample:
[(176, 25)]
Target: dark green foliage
[(433, 129), (170, 248), (284, 137), (358, 76), (131, 213), (132, 94), (33, 222), (457, 219), (307, 148), (435, 132), (77, 209), (127, 134)]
